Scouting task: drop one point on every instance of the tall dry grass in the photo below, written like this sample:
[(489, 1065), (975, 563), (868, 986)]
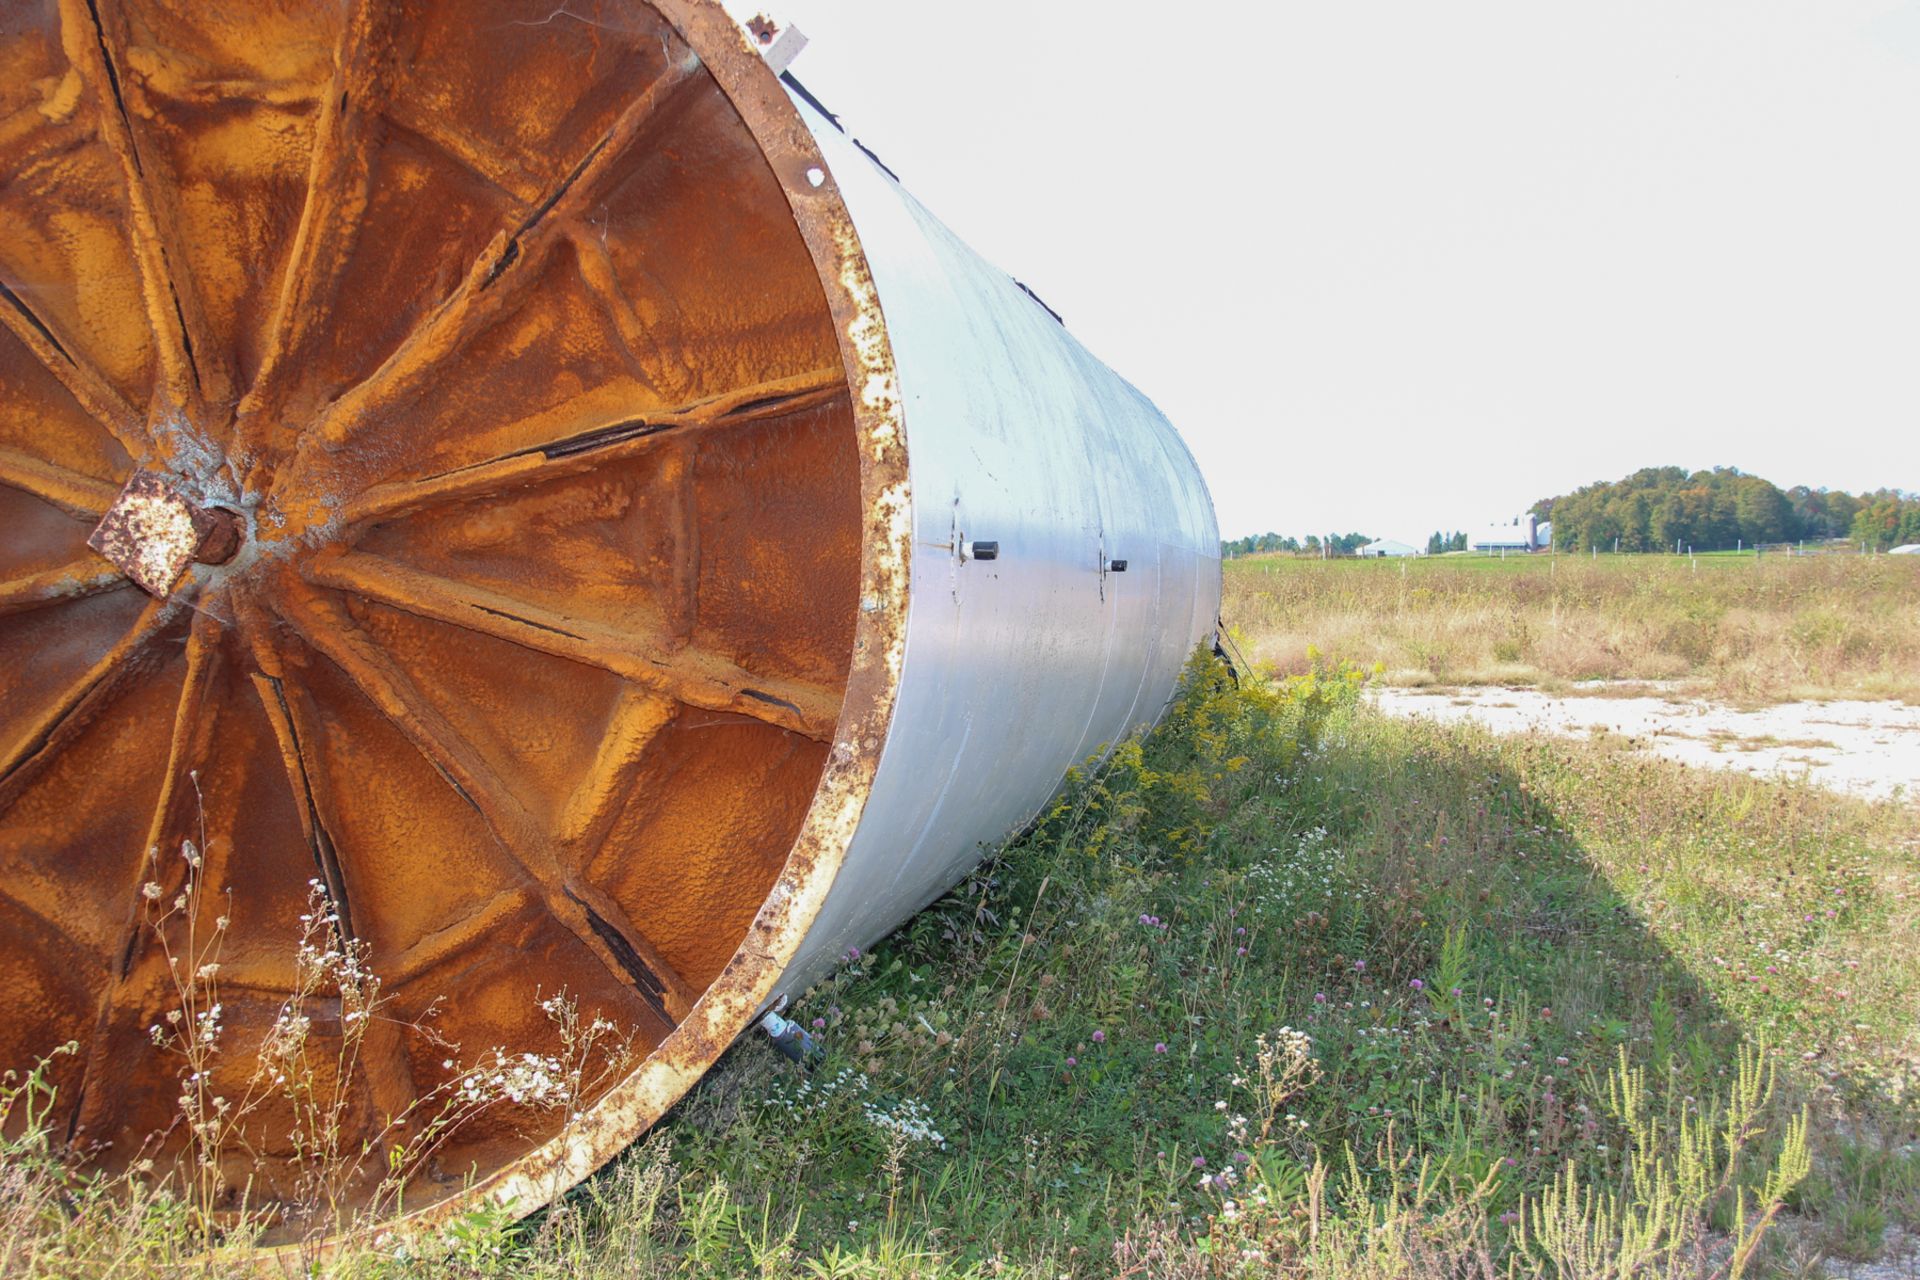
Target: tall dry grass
[(1774, 628)]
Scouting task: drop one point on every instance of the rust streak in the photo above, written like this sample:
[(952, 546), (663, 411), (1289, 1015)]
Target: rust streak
[(162, 79), (648, 356), (192, 727), (271, 691), (186, 745), (80, 496), (39, 913), (190, 372), (409, 119), (586, 911), (482, 297), (38, 739), (425, 956), (583, 183), (388, 1072), (339, 184), (71, 581), (667, 665), (590, 446), (682, 517), (637, 720), (85, 383)]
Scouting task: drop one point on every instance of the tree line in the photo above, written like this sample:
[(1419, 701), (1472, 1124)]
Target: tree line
[(1339, 544), (1659, 508)]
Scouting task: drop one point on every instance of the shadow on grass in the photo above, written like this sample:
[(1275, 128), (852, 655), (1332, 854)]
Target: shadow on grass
[(1472, 934)]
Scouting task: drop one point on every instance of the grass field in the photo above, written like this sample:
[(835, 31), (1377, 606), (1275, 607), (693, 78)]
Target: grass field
[(1750, 629), (1289, 988)]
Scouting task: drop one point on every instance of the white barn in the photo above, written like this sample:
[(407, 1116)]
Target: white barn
[(1522, 533), (1386, 547)]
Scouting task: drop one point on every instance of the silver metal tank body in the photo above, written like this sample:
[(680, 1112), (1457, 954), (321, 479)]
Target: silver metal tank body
[(1019, 667)]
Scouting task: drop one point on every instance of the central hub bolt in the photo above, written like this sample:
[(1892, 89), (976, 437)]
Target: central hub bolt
[(222, 536)]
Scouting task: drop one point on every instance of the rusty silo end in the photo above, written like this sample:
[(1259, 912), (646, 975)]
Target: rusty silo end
[(536, 480)]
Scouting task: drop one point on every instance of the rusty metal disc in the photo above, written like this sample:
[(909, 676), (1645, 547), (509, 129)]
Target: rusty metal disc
[(428, 478)]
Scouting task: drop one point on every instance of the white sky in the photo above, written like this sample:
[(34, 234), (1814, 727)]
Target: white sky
[(1399, 265)]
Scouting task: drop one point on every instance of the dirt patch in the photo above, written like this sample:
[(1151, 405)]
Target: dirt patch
[(1866, 748)]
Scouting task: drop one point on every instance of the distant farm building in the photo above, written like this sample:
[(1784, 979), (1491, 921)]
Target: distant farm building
[(1386, 547), (1522, 533), (1911, 549)]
